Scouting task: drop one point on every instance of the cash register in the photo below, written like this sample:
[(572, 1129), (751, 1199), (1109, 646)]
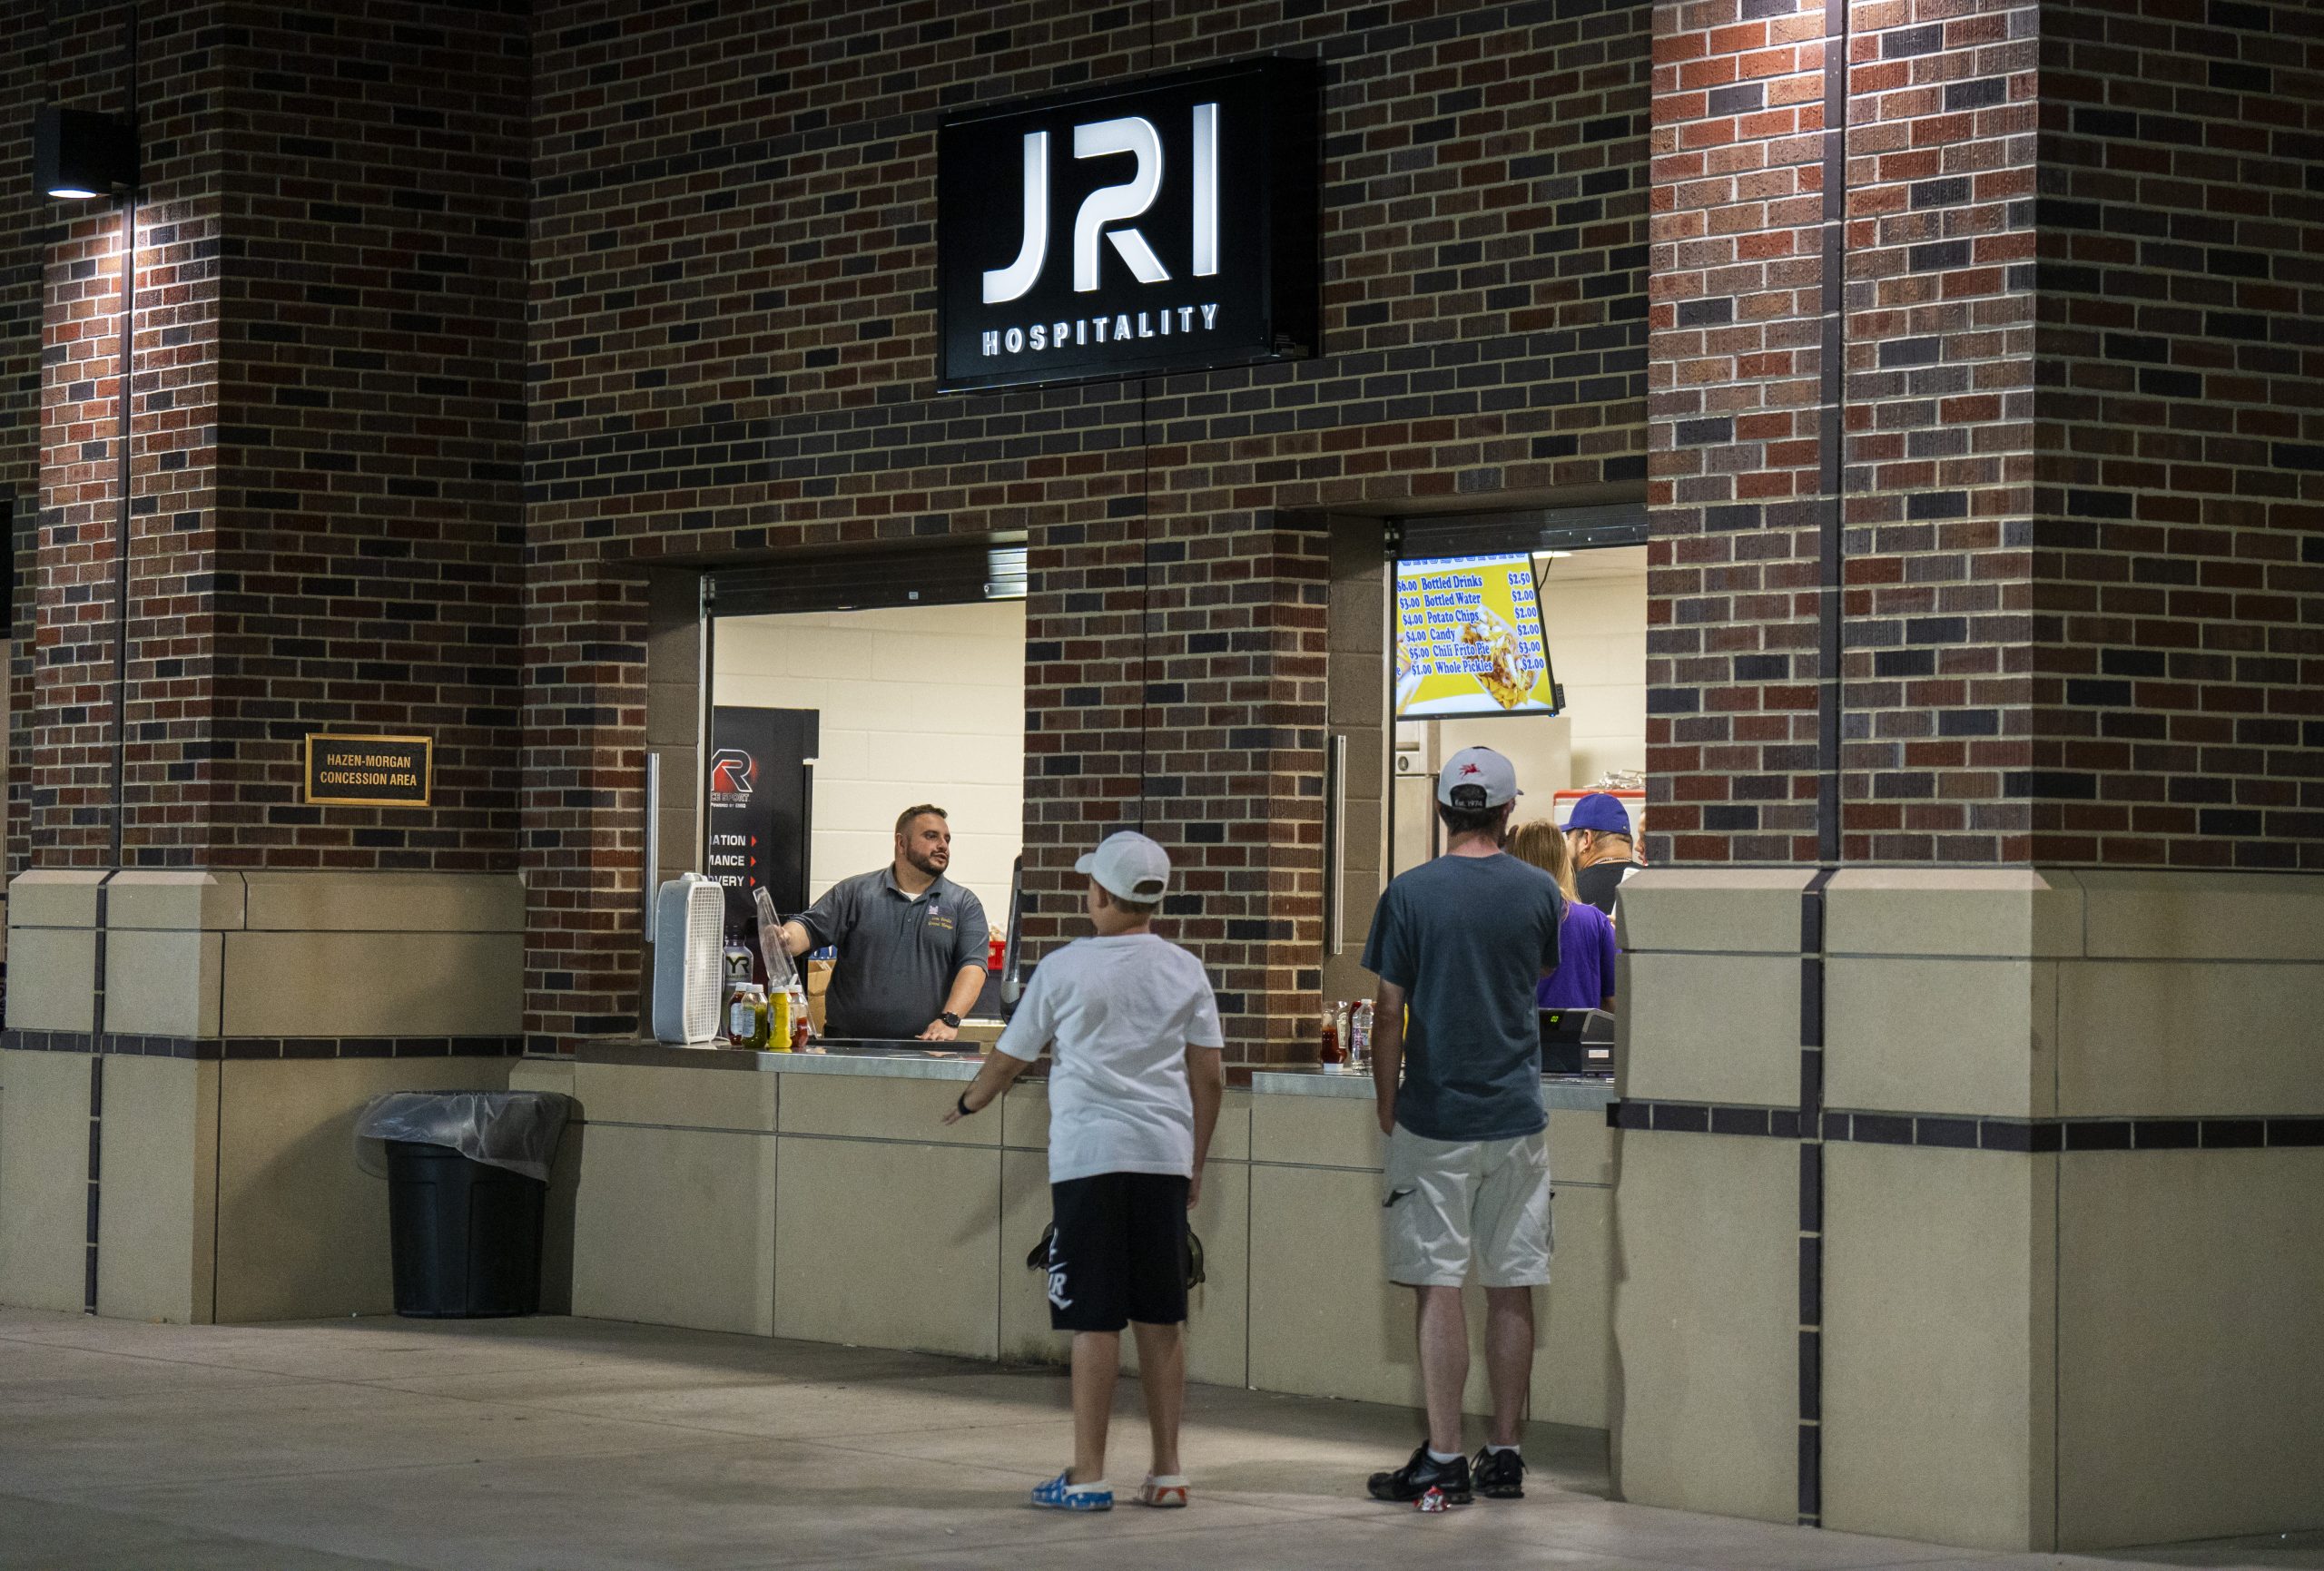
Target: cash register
[(1577, 1042)]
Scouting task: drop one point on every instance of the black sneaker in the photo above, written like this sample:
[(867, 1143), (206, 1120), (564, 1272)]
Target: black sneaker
[(1422, 1474), (1501, 1475)]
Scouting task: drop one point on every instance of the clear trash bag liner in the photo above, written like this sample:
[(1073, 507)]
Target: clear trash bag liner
[(517, 1130)]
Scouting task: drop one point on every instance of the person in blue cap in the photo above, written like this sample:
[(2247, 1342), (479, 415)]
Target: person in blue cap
[(1598, 832)]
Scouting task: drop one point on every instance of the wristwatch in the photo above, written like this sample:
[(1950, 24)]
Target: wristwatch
[(951, 1019)]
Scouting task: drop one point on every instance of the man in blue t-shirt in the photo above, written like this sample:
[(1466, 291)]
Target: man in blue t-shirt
[(1463, 941)]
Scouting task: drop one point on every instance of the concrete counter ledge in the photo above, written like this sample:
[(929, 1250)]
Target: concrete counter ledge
[(898, 1061), (821, 1196), (1560, 1092)]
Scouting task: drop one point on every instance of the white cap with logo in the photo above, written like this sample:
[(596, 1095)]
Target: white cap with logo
[(1477, 778), (1128, 866)]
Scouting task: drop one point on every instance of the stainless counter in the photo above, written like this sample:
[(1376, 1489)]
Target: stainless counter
[(917, 1061), (893, 1060)]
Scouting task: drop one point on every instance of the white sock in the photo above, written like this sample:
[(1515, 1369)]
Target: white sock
[(1436, 1456), (1498, 1450), (1078, 1488)]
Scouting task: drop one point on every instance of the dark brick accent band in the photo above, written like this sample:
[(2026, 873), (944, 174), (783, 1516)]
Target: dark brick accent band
[(1958, 1133), (212, 1049)]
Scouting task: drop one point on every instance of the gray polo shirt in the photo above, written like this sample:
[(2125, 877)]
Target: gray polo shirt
[(897, 955)]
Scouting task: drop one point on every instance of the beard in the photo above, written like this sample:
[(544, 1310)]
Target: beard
[(928, 862)]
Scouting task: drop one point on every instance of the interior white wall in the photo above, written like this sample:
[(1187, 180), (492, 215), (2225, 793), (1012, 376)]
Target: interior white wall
[(1593, 605), (924, 703)]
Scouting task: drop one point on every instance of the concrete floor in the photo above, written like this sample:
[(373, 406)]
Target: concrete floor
[(565, 1445)]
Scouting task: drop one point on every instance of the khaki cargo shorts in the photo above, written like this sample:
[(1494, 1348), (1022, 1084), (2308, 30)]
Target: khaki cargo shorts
[(1447, 1206)]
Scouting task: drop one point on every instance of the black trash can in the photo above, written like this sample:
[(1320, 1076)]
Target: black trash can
[(466, 1236)]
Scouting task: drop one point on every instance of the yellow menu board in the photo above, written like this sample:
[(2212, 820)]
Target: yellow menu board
[(1469, 638)]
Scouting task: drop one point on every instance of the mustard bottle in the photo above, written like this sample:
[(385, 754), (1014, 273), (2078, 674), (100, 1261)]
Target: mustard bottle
[(774, 1024)]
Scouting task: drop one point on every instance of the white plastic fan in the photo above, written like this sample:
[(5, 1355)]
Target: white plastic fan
[(689, 958)]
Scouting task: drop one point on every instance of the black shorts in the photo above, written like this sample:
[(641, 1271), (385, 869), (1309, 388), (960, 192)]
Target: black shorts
[(1119, 1250)]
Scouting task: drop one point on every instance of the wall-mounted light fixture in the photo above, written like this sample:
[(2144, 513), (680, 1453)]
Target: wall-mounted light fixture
[(80, 154)]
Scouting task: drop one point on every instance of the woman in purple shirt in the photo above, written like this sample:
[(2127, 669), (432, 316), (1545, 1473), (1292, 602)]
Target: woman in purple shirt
[(1584, 978)]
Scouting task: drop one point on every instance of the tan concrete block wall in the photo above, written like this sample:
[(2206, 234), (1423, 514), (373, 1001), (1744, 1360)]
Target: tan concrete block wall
[(253, 1154), (2206, 1037), (2009, 912), (1317, 1132), (676, 1227), (1976, 1036), (164, 983), (2191, 1345), (564, 1181), (1711, 911), (311, 902), (55, 898), (43, 1180), (178, 900), (204, 953), (373, 984), (1025, 1335), (1938, 1375), (1574, 1320), (1325, 1321), (920, 1271), (2148, 914), (157, 1229), (1709, 1027), (664, 1229), (2010, 1358), (52, 976), (880, 1109), (625, 1094), (1706, 1284), (303, 1231)]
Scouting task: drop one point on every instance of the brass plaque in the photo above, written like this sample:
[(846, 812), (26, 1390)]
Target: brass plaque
[(370, 771)]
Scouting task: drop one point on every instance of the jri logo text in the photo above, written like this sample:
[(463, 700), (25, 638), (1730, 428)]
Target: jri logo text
[(1140, 228), (1103, 220)]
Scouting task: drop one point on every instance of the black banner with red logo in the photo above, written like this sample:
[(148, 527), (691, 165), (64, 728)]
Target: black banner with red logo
[(760, 790)]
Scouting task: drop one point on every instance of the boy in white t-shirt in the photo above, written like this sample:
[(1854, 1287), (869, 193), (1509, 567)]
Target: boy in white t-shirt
[(1134, 1095)]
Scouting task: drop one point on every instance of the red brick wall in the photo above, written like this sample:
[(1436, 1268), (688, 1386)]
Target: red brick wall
[(62, 726), (2178, 690), (1940, 451), (732, 289), (2083, 470), (328, 414), (24, 236), (370, 471), (1733, 404)]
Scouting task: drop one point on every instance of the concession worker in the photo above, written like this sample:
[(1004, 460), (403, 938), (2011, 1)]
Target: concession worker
[(911, 943)]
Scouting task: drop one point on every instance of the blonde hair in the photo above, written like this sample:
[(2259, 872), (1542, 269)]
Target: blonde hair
[(1542, 843)]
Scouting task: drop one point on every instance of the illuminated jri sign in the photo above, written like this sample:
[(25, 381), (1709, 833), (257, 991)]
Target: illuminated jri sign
[(1164, 225)]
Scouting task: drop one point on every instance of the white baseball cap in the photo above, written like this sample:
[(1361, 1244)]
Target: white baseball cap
[(1129, 866), (1475, 778)]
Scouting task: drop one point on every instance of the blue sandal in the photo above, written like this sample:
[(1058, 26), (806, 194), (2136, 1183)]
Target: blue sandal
[(1062, 1494)]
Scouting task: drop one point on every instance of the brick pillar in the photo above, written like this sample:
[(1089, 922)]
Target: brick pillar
[(1174, 683), (1899, 1141), (1939, 459), (2179, 518), (584, 798), (1734, 359), (1935, 410)]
